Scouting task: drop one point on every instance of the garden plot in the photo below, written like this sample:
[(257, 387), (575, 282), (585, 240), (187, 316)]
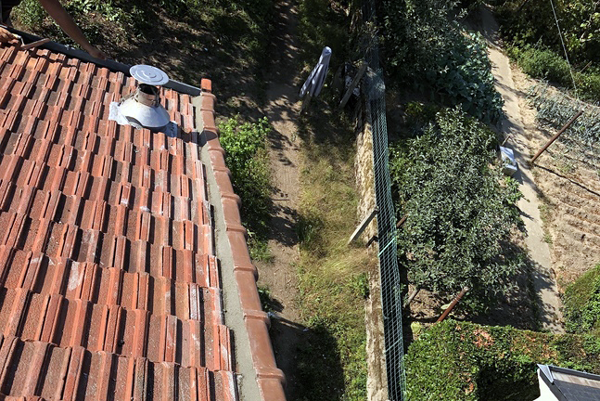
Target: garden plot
[(568, 176)]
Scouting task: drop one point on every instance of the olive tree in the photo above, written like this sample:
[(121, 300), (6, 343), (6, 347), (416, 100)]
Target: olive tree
[(460, 209)]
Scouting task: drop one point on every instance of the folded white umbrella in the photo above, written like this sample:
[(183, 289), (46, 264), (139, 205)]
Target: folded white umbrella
[(316, 79)]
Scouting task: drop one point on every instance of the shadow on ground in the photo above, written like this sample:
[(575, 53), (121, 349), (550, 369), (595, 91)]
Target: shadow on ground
[(316, 364)]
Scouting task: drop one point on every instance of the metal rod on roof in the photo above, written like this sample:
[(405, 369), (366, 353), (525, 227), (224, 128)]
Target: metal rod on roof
[(453, 304), (555, 137)]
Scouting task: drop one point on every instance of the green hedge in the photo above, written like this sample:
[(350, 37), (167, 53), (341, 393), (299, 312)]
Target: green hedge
[(465, 361), (532, 22), (582, 304)]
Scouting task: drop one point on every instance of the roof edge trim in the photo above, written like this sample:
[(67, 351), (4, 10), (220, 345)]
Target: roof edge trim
[(110, 64), (269, 377)]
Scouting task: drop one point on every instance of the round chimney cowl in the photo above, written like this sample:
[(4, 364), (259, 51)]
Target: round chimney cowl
[(142, 108)]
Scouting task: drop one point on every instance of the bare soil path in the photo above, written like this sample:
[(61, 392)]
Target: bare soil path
[(280, 275), (543, 275)]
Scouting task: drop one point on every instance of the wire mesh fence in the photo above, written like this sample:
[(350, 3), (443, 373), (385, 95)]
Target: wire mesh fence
[(391, 296)]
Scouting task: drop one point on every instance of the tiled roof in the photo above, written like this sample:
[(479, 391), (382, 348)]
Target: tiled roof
[(109, 284)]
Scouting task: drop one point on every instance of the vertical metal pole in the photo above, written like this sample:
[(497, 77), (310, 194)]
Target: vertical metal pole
[(412, 296)]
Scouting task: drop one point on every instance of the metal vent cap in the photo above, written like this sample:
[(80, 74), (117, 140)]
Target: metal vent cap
[(146, 74)]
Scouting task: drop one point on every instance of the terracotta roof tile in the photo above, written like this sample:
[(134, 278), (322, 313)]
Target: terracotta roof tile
[(109, 286)]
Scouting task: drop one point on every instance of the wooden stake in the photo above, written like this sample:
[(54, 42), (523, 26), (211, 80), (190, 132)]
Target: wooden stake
[(522, 5), (586, 67), (402, 221), (412, 296), (306, 102), (555, 137), (453, 304), (355, 81), (363, 225), (398, 225)]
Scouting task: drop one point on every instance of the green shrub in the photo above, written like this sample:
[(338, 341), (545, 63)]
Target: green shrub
[(459, 215), (30, 13), (247, 158), (534, 23), (468, 362), (582, 304), (465, 77), (426, 47), (588, 85), (545, 64)]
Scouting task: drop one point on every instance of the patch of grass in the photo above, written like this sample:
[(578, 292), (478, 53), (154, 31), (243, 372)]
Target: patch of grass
[(333, 275), (582, 304), (266, 300), (545, 210)]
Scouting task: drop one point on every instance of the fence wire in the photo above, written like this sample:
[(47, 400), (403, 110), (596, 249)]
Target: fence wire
[(391, 297)]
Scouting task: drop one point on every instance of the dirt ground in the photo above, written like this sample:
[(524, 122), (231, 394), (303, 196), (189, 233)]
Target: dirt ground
[(280, 275), (570, 190)]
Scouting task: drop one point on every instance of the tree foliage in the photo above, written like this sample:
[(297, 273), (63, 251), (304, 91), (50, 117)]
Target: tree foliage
[(424, 44), (534, 24), (460, 209)]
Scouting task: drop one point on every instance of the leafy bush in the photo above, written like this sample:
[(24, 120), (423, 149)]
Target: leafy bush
[(425, 45), (582, 304), (534, 25), (465, 361), (549, 65), (459, 215), (465, 78), (247, 158), (588, 85), (544, 64), (30, 13), (417, 32)]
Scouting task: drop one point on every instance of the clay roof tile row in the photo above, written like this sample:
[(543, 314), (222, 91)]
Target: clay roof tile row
[(109, 285)]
